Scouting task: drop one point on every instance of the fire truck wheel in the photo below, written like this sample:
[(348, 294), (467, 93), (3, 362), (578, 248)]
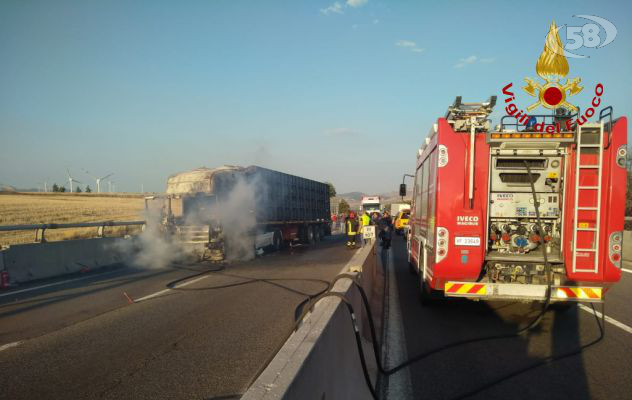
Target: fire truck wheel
[(412, 268), (428, 296)]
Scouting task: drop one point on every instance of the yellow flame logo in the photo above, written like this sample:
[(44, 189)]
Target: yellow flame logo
[(552, 66)]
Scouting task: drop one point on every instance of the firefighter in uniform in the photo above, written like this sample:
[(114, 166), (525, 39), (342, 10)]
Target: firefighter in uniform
[(366, 221), (352, 230)]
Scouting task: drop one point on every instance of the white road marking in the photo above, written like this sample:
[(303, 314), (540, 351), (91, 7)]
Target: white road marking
[(629, 271), (161, 292), (608, 319), (9, 345), (56, 283)]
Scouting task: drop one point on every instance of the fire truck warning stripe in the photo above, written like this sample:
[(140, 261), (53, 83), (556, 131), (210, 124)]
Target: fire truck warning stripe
[(579, 293), (465, 288), (453, 287), (565, 292), (476, 289)]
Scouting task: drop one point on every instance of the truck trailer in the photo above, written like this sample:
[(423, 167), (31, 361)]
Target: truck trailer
[(517, 213), (217, 212)]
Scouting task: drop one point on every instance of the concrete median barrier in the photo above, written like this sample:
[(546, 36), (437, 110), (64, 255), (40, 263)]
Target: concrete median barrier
[(320, 360), (28, 262)]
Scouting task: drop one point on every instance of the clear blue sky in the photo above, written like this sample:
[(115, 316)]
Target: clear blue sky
[(344, 93)]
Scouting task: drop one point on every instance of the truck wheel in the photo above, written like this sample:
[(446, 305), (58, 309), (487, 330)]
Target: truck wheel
[(320, 233), (277, 241)]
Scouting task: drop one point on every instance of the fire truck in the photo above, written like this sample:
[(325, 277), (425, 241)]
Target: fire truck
[(517, 213)]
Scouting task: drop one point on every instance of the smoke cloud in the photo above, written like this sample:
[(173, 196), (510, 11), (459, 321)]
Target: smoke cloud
[(157, 248), (238, 220)]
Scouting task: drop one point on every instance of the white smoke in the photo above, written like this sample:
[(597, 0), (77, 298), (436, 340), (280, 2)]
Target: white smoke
[(156, 248), (238, 220), (153, 248)]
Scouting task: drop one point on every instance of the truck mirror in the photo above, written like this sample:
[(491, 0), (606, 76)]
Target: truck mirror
[(402, 189)]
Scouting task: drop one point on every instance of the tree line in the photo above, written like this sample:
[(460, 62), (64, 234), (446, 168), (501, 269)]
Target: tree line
[(62, 189)]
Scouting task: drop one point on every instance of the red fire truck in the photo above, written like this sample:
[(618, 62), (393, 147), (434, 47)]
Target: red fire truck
[(475, 230)]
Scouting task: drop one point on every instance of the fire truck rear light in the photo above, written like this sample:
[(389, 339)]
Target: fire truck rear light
[(547, 238), (547, 135), (495, 135), (557, 135), (526, 135), (506, 135), (535, 238), (622, 153), (537, 135), (516, 135), (615, 248), (443, 156), (568, 135), (506, 237), (442, 244)]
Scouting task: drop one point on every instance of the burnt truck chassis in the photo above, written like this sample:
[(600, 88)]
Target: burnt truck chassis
[(285, 209)]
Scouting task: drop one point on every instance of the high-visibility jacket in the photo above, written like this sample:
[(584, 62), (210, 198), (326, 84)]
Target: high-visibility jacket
[(366, 220), (352, 226)]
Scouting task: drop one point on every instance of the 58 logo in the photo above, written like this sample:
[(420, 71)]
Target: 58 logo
[(590, 35)]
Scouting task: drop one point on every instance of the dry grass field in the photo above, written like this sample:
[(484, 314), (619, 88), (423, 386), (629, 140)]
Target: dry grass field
[(39, 208)]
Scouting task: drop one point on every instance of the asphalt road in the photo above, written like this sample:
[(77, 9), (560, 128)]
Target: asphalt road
[(207, 339), (600, 371)]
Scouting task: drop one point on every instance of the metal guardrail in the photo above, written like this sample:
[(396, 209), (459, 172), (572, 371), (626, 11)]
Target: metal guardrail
[(40, 229)]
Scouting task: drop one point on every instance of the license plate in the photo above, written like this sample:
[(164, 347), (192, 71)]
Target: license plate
[(467, 241)]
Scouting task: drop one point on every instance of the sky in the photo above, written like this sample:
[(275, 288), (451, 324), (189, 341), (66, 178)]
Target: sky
[(340, 91)]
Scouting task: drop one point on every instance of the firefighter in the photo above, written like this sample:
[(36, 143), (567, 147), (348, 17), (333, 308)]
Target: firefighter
[(352, 229), (366, 221)]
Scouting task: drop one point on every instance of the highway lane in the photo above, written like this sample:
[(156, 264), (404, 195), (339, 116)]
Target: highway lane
[(601, 371), (207, 339)]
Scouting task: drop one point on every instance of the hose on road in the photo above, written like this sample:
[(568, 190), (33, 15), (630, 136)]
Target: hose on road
[(534, 323)]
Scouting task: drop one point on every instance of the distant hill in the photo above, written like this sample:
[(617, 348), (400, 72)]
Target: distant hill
[(353, 196)]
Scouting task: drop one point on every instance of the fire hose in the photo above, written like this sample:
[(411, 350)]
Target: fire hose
[(387, 372)]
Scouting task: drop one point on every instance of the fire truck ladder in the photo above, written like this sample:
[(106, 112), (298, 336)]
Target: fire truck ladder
[(582, 172)]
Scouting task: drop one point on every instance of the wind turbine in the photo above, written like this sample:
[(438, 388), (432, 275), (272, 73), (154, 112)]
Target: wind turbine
[(71, 180), (110, 186), (98, 180), (44, 185)]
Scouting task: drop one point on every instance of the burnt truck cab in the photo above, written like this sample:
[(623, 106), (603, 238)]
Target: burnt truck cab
[(233, 212), (474, 231), (190, 211)]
